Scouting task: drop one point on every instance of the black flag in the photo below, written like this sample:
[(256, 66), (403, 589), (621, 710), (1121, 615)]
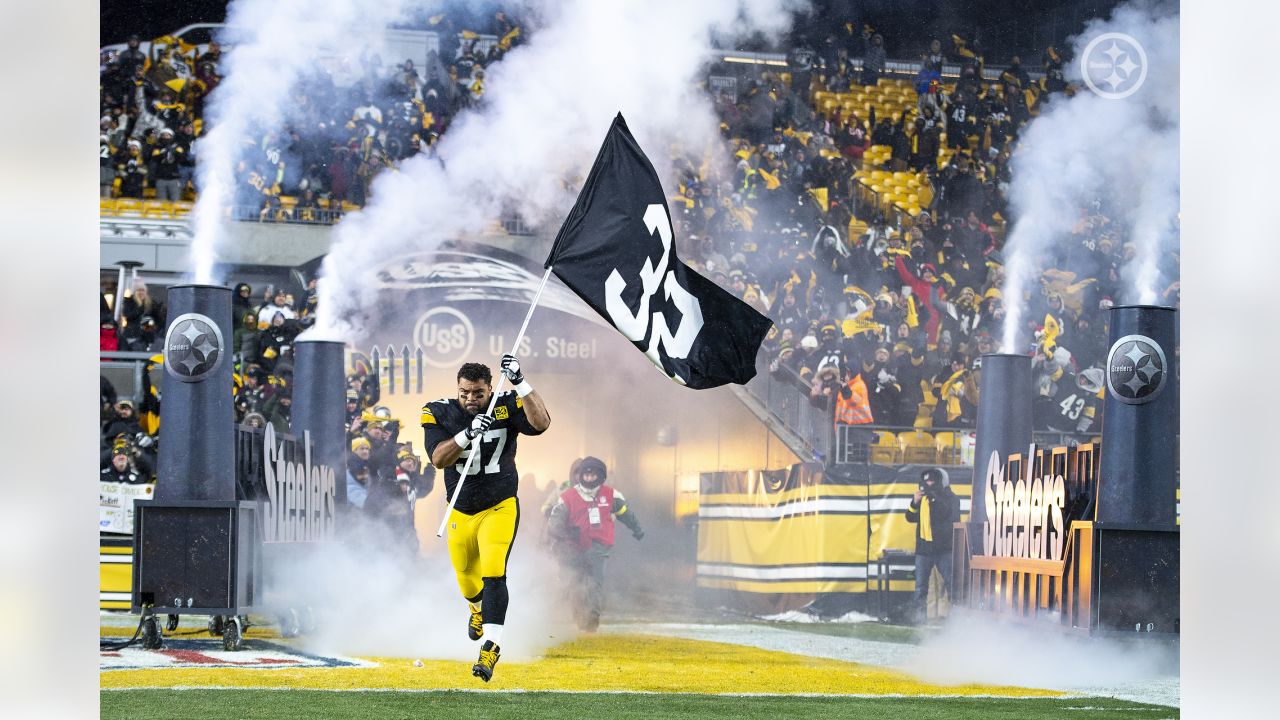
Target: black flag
[(616, 251)]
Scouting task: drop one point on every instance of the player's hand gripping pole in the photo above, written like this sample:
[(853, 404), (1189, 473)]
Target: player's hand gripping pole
[(475, 453)]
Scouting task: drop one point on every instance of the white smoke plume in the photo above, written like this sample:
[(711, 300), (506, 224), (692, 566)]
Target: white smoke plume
[(527, 148), (367, 603), (272, 44), (548, 105), (1124, 151), (973, 648)]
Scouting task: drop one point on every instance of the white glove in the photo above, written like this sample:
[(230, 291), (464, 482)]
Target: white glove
[(478, 425), (511, 368)]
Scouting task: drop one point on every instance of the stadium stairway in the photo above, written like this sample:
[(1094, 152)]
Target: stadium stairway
[(787, 413)]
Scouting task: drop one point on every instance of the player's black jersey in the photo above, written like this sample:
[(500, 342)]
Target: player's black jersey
[(1071, 409), (493, 477)]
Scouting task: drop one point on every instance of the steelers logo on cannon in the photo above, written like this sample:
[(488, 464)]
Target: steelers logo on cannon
[(193, 347), (1136, 369)]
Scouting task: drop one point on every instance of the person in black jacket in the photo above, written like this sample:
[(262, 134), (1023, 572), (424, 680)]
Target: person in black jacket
[(120, 468), (934, 509)]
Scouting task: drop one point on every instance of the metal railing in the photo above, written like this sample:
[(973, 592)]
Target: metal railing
[(810, 430), (901, 445), (292, 216), (785, 396), (124, 371), (511, 224)]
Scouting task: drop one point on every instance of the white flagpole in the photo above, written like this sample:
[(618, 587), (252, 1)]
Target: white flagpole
[(475, 453)]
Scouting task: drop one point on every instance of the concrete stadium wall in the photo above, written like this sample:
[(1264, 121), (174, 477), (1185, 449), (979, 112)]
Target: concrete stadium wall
[(166, 246)]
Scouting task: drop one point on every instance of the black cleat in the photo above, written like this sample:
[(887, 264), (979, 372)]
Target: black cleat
[(475, 626), (483, 668)]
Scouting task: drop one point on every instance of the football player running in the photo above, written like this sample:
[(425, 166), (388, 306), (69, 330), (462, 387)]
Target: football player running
[(483, 523)]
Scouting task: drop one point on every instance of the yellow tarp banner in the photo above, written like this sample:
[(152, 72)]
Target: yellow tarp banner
[(803, 530)]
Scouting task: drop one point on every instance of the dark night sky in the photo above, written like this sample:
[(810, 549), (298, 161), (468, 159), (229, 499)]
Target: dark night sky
[(152, 18), (1006, 26)]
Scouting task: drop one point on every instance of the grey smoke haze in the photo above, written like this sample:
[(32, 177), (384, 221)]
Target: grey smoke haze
[(975, 649), (369, 605), (548, 105), (273, 42), (1086, 147)]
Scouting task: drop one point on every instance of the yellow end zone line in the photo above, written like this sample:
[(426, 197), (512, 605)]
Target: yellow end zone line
[(598, 663)]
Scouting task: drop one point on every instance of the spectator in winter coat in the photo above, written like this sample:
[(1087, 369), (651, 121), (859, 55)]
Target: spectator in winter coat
[(933, 510), (141, 304), (279, 304), (166, 163), (873, 62), (131, 167)]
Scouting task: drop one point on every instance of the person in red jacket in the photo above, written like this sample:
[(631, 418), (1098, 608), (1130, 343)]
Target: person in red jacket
[(582, 526), (922, 286)]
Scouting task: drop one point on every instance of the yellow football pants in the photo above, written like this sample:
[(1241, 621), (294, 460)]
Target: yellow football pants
[(480, 544)]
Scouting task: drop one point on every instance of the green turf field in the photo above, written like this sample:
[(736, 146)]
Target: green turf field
[(323, 705)]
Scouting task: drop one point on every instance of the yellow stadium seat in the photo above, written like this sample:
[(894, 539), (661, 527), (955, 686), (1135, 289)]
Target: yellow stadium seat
[(917, 447), (157, 209), (914, 211), (948, 445), (885, 450), (129, 207), (288, 202), (349, 206), (107, 206), (182, 208)]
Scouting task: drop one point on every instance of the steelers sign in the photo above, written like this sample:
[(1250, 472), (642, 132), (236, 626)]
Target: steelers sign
[(1136, 369), (193, 347)]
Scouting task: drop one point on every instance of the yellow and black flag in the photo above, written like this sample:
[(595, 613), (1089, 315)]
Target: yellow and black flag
[(617, 252)]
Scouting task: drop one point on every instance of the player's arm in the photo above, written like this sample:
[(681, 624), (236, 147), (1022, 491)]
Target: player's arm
[(624, 514), (535, 410), (446, 453), (445, 449)]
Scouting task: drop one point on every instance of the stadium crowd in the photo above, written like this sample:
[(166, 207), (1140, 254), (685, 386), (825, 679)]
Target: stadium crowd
[(337, 139), (384, 475), (888, 304)]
